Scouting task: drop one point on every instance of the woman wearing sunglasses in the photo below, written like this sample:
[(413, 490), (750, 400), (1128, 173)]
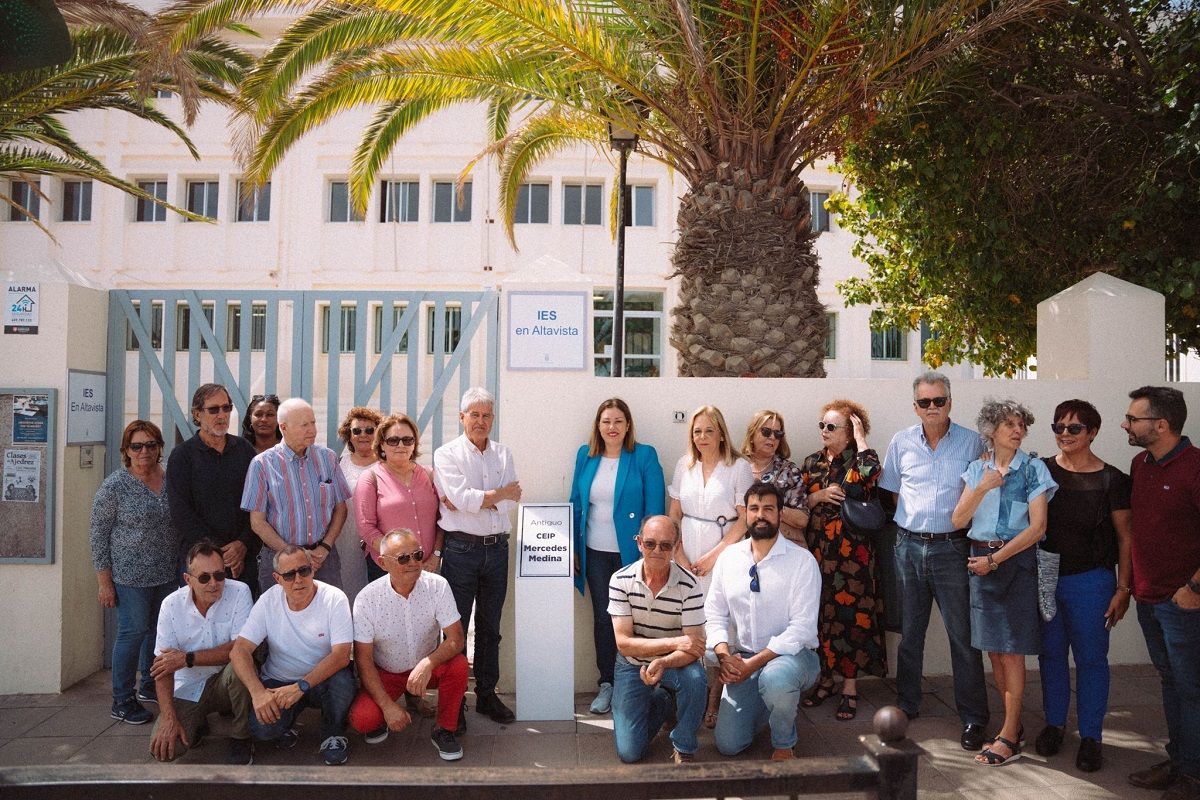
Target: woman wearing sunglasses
[(135, 549), (616, 483), (358, 432), (259, 426), (850, 628), (1088, 525), (768, 453)]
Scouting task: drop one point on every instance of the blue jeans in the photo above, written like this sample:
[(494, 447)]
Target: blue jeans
[(478, 577), (332, 695), (639, 711), (137, 627), (1079, 627), (925, 572), (771, 696), (1173, 639), (600, 567)]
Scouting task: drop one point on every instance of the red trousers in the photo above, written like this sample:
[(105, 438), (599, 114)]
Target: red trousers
[(449, 678)]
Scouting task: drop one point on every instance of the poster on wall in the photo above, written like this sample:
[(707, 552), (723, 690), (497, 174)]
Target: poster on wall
[(21, 303), (22, 476), (31, 418)]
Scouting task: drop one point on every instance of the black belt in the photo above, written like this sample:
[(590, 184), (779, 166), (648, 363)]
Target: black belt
[(480, 541), (961, 533)]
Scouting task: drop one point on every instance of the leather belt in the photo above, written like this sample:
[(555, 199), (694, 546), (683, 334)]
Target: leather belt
[(480, 541), (961, 533)]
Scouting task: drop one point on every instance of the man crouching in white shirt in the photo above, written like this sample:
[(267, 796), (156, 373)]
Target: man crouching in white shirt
[(769, 591)]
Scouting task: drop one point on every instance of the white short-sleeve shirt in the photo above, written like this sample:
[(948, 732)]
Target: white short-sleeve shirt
[(403, 630), (298, 639), (181, 626)]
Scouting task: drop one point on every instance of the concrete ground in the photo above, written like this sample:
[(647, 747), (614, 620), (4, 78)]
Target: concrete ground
[(75, 727)]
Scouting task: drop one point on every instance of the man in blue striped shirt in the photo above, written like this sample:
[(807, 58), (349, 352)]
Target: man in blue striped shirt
[(923, 468)]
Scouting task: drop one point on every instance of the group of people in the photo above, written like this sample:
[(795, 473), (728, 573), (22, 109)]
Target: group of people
[(719, 599)]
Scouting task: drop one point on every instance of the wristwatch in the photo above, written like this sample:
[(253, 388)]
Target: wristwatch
[(190, 659), (437, 553), (303, 685), (323, 543)]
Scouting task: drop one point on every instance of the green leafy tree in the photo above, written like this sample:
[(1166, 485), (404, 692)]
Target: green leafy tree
[(1049, 158), (736, 96)]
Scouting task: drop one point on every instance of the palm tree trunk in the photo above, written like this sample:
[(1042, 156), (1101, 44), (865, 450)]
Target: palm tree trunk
[(747, 297)]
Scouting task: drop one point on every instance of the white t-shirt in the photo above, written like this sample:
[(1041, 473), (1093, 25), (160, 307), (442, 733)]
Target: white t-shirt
[(181, 626), (298, 640), (601, 532), (404, 630)]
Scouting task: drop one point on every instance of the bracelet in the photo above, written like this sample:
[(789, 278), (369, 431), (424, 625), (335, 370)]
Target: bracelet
[(1194, 585), (1121, 588), (323, 543), (992, 565)]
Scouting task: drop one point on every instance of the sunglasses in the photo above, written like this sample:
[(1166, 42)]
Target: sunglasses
[(291, 574), (138, 446), (937, 401), (828, 426), (270, 398), (204, 577), (651, 545), (769, 432), (1074, 428), (754, 577), (362, 431), (404, 558), (225, 409), (396, 441)]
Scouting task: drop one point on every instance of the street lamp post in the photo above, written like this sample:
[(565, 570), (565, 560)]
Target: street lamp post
[(622, 140)]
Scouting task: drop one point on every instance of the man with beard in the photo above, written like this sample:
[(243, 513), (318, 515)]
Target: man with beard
[(761, 617), (1166, 576)]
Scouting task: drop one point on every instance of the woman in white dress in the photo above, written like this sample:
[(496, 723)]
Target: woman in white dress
[(708, 503), (358, 432)]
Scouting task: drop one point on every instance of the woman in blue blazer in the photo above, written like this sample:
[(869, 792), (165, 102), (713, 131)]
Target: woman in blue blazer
[(617, 483)]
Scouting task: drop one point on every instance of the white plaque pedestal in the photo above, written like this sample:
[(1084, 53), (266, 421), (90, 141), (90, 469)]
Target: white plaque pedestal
[(545, 626)]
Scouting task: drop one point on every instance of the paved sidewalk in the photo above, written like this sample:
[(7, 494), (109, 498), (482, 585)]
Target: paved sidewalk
[(75, 727)]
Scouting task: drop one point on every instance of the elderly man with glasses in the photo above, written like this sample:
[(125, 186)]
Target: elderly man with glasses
[(408, 637), (657, 612), (192, 674), (306, 625)]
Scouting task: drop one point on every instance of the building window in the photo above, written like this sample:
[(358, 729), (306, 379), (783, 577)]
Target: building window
[(340, 207), (156, 327), (820, 215), (25, 195), (399, 201), (163, 94), (831, 319), (148, 210), (77, 201), (183, 325), (582, 203), (258, 327), (202, 198), (381, 334), (639, 206), (889, 344), (254, 202), (446, 207), (453, 317), (346, 325), (643, 333), (533, 203)]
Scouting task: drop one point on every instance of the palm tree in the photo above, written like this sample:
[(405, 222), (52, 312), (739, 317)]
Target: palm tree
[(111, 66), (737, 96)]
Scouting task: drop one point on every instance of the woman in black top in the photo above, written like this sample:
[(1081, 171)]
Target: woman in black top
[(1089, 527)]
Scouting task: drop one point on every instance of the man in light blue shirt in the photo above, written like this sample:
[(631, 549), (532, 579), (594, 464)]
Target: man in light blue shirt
[(923, 468)]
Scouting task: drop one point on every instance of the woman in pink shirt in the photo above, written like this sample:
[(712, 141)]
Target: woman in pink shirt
[(397, 492)]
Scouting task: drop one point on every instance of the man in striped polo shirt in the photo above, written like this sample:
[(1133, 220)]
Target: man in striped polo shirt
[(296, 494), (657, 610)]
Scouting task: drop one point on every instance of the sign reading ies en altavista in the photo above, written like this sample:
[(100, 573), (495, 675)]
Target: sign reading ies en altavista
[(547, 330)]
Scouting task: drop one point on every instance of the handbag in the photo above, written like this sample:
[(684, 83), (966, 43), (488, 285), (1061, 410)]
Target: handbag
[(1047, 565), (863, 516)]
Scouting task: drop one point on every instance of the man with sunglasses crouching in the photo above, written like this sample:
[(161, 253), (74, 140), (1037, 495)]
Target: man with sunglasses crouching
[(398, 622), (306, 625), (761, 620), (192, 673)]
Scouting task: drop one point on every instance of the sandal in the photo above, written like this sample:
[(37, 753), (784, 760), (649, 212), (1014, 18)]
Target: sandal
[(847, 708), (824, 692), (990, 758)]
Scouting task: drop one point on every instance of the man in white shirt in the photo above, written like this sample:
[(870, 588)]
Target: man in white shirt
[(306, 624), (398, 620), (192, 674), (477, 483), (768, 590)]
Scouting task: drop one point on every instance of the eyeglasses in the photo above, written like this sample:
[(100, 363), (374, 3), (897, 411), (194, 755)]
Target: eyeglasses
[(137, 446), (362, 431), (404, 558), (937, 401), (225, 409), (1074, 428), (1131, 419), (396, 441), (651, 545), (754, 577), (291, 574), (769, 432), (270, 398), (204, 577), (828, 426)]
